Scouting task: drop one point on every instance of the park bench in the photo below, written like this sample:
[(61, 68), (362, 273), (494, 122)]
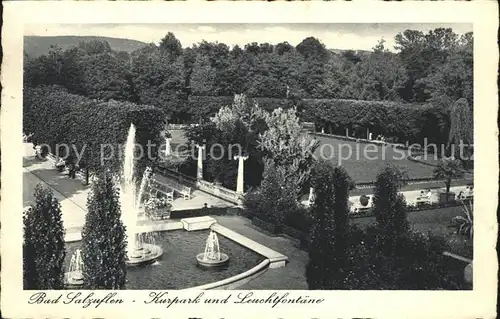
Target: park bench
[(163, 189), (186, 192), (167, 188)]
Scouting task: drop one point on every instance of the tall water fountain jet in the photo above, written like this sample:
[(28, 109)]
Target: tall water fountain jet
[(74, 276), (141, 247), (212, 257)]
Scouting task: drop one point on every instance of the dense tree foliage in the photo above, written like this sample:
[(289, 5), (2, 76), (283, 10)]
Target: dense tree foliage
[(244, 127), (389, 255), (103, 237), (434, 67), (43, 246)]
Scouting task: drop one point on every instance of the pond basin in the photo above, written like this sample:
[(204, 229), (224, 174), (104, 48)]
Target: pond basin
[(177, 268)]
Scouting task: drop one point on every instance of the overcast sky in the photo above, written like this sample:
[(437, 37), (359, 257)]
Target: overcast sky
[(335, 36)]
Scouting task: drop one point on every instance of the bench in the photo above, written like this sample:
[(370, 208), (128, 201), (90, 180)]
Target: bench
[(167, 188)]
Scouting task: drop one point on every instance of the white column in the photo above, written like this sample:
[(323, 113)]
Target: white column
[(168, 148), (347, 132), (240, 181), (311, 196), (199, 173)]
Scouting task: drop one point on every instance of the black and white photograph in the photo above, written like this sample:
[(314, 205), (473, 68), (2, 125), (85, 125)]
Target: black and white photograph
[(305, 156), (280, 157)]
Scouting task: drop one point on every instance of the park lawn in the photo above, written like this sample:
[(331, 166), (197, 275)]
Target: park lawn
[(178, 139), (364, 164), (363, 161)]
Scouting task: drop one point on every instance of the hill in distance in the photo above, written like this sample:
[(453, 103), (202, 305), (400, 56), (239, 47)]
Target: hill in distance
[(35, 46)]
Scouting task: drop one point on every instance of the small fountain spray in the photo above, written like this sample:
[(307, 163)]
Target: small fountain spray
[(141, 247), (74, 276), (212, 257)]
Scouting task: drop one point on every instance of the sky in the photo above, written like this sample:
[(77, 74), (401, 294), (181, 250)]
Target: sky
[(356, 36)]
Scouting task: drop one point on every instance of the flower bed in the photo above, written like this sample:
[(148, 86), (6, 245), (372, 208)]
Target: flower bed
[(157, 208)]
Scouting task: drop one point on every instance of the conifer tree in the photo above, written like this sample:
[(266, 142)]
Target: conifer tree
[(389, 204), (103, 236), (43, 247), (327, 265)]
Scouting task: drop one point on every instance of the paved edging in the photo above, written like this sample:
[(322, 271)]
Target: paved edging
[(275, 258), (236, 281)]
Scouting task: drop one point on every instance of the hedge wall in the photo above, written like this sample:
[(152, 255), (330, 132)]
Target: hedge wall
[(405, 122), (55, 116), (399, 121)]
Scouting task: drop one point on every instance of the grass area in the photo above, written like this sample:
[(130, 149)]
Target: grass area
[(363, 161), (178, 139)]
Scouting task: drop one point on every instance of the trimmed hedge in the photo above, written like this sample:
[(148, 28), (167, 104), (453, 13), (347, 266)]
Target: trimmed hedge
[(55, 116), (392, 119), (396, 121)]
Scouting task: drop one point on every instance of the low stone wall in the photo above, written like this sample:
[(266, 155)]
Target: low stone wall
[(276, 259), (219, 191)]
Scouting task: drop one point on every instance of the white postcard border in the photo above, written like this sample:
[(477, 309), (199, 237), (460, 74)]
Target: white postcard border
[(408, 304)]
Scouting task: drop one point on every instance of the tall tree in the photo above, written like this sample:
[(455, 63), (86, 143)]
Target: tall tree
[(106, 77), (328, 261), (278, 194), (202, 77), (461, 124), (390, 205), (159, 82), (285, 142), (171, 47), (93, 47), (103, 237), (43, 246), (449, 170)]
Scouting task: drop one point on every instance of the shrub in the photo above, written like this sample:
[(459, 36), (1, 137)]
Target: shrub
[(464, 224), (414, 261), (363, 199), (43, 246), (389, 206)]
